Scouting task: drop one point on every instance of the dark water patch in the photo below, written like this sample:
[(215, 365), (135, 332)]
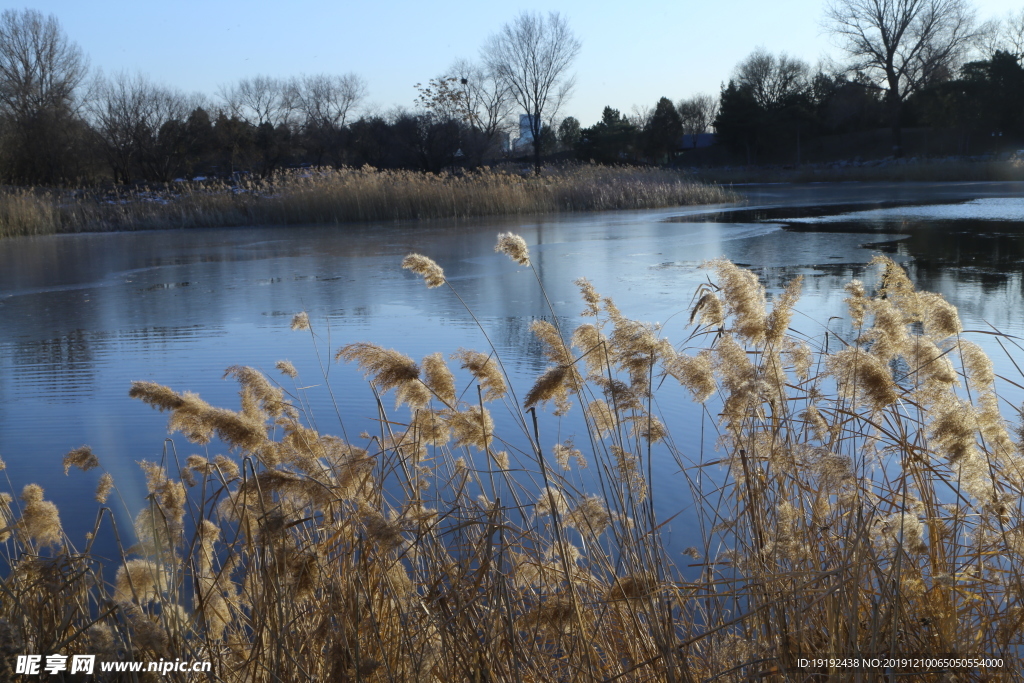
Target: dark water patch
[(777, 277), (984, 234), (782, 214), (908, 225), (964, 244), (886, 247)]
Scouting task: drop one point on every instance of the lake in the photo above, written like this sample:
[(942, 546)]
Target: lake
[(81, 316)]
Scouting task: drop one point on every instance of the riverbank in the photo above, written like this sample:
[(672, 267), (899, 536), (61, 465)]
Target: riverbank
[(351, 195), (880, 170)]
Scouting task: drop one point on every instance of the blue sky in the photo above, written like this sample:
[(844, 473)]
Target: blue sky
[(634, 51)]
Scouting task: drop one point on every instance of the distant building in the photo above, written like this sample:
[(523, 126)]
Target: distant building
[(504, 142), (525, 129), (523, 144)]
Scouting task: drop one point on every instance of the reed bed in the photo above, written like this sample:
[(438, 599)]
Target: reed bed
[(351, 195), (864, 500)]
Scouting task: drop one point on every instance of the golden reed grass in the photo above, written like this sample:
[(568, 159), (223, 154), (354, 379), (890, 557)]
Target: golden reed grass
[(865, 500), (351, 195)]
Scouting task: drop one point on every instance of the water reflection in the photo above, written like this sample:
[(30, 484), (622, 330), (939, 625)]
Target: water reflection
[(59, 369)]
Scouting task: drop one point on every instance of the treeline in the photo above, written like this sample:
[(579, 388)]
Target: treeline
[(653, 136), (131, 130), (928, 65), (261, 125), (61, 125), (775, 107)]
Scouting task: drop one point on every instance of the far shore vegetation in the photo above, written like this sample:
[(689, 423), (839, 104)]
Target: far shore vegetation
[(336, 196)]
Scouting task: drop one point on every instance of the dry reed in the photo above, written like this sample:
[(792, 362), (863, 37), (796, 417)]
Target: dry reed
[(350, 195), (870, 508)]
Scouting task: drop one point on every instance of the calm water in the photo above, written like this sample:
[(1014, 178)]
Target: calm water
[(81, 316)]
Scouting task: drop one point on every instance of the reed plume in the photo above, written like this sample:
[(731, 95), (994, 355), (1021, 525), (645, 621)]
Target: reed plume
[(285, 367), (486, 370), (105, 486), (472, 426), (744, 299), (439, 379), (82, 457), (388, 369), (433, 274), (709, 310), (696, 373), (514, 247), (40, 520)]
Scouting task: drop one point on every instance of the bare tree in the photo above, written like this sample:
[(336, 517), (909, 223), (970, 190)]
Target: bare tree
[(435, 131), (771, 79), (167, 138), (489, 101), (444, 99), (1013, 34), (268, 106), (475, 99), (531, 55), (641, 116), (327, 100), (902, 44), (259, 100), (1006, 35), (324, 103), (698, 114), (39, 68), (118, 113), (142, 125), (40, 72)]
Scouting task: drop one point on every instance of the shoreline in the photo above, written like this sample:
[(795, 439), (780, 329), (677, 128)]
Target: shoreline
[(883, 170), (352, 196), (364, 196)]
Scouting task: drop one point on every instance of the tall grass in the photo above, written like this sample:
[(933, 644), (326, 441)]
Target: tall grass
[(348, 195), (865, 500)]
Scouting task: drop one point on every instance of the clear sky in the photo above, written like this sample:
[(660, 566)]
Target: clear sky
[(634, 51)]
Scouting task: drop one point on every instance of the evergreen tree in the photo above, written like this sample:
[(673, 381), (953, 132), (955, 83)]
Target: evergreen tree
[(609, 141), (569, 132), (740, 119), (662, 134)]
